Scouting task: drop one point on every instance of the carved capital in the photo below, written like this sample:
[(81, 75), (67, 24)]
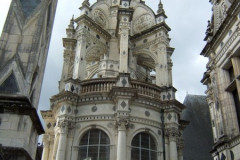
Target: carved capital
[(172, 133), (65, 125), (122, 123)]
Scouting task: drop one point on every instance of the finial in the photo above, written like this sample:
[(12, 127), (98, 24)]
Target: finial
[(160, 8), (86, 3), (71, 25)]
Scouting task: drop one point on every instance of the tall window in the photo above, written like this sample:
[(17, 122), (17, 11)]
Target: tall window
[(143, 147), (237, 104), (94, 145)]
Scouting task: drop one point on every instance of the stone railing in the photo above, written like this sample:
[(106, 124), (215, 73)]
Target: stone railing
[(147, 89), (105, 85), (97, 85)]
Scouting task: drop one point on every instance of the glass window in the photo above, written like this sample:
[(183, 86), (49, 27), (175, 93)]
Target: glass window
[(94, 145), (143, 147)]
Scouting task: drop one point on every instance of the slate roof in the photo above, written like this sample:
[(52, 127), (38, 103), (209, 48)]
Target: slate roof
[(198, 140)]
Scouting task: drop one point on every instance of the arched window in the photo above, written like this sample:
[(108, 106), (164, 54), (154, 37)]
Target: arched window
[(94, 145), (143, 147)]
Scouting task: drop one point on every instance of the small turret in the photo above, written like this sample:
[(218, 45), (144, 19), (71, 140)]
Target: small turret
[(70, 30), (85, 8), (161, 16)]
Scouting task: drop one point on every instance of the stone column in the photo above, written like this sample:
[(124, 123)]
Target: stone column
[(62, 144), (180, 149), (122, 144), (45, 153), (167, 148), (173, 154)]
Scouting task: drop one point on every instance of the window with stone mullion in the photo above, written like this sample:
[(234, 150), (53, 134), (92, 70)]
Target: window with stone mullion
[(94, 145), (143, 147)]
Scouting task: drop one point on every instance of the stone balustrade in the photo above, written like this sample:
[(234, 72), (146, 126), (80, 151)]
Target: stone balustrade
[(105, 85)]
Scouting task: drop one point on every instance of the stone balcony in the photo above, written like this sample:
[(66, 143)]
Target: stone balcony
[(104, 86)]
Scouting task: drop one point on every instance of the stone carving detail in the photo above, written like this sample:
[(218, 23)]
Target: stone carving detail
[(66, 125), (122, 122), (94, 108), (100, 18), (147, 113), (142, 23)]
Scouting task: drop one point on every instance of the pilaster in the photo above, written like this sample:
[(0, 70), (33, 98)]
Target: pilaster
[(80, 62), (62, 144), (124, 28), (172, 134), (162, 77), (46, 144)]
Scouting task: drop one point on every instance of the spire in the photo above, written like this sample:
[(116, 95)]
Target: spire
[(161, 10)]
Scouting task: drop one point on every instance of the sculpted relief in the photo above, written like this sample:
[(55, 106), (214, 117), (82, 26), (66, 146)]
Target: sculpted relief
[(100, 18), (142, 23)]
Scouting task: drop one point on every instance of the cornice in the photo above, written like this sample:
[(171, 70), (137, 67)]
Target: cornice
[(150, 31), (232, 14), (21, 105), (85, 19)]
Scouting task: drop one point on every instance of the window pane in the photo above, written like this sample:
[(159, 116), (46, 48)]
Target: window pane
[(93, 148), (104, 153), (145, 155), (84, 140), (146, 150), (145, 141), (93, 153), (135, 154), (83, 153), (104, 138), (135, 141), (94, 137)]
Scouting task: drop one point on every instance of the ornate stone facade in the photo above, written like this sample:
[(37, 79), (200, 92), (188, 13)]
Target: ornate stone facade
[(23, 52), (222, 77), (110, 103)]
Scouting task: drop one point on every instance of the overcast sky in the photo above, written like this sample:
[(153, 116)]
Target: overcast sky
[(187, 18)]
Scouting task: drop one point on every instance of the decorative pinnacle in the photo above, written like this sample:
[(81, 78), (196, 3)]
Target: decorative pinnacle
[(86, 3), (160, 8), (71, 25)]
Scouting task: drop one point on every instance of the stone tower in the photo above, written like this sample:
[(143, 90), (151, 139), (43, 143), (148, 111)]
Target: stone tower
[(116, 100), (222, 78), (24, 46)]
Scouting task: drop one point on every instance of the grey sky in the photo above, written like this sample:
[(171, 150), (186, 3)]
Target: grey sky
[(187, 18)]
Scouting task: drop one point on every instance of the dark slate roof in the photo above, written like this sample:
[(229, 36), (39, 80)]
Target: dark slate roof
[(29, 6), (198, 139)]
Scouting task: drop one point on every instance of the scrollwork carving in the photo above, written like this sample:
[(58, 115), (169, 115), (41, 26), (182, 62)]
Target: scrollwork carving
[(100, 17), (143, 22)]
